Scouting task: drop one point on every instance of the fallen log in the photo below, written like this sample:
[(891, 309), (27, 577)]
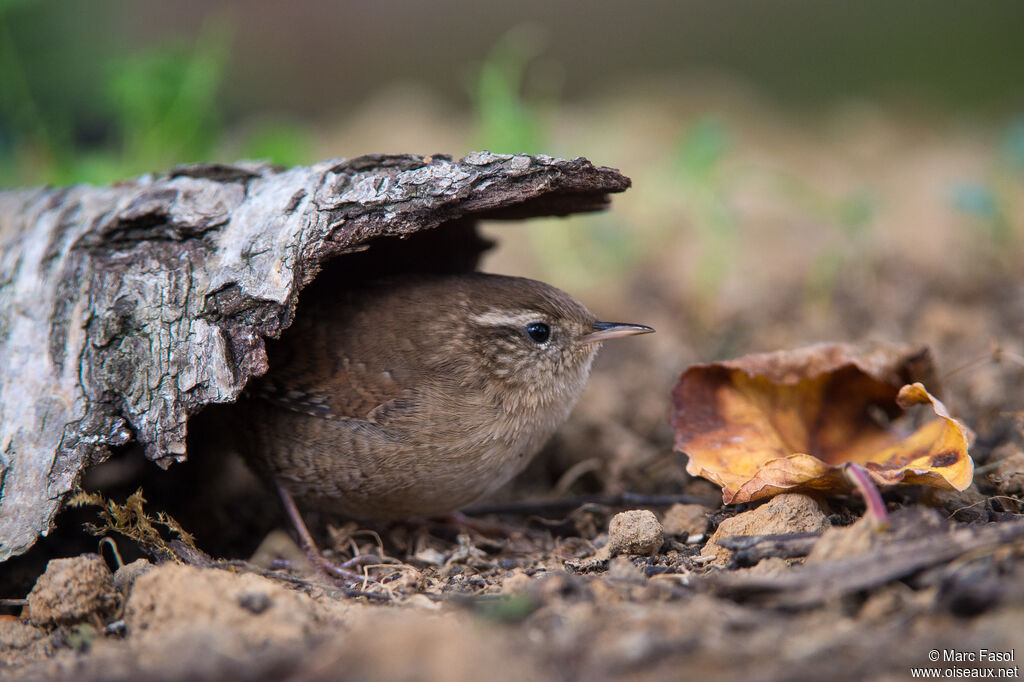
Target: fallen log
[(125, 309)]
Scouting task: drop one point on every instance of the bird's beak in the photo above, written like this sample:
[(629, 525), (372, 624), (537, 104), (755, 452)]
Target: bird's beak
[(613, 330)]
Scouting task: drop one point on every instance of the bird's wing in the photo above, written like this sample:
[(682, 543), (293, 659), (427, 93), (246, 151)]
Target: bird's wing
[(331, 384), (350, 391)]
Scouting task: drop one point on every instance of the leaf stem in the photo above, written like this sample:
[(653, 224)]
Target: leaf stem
[(858, 476)]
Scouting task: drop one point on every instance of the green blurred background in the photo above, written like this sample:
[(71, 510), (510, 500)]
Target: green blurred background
[(810, 135), (99, 90)]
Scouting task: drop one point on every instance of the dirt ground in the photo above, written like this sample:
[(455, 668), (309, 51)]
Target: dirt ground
[(571, 590)]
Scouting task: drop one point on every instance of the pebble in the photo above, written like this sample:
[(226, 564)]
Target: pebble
[(635, 532)]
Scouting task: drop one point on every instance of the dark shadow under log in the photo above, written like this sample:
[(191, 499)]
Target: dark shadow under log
[(126, 309)]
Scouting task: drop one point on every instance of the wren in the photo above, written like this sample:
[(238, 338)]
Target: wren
[(417, 395)]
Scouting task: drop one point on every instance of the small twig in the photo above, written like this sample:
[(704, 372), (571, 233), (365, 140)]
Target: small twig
[(986, 468), (1009, 355), (295, 580), (568, 504), (189, 554), (13, 602), (747, 550), (113, 548), (984, 501), (970, 364), (372, 596), (995, 356), (574, 472), (282, 576), (380, 545), (807, 586)]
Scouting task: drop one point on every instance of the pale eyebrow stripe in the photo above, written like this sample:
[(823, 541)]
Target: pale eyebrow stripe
[(497, 318)]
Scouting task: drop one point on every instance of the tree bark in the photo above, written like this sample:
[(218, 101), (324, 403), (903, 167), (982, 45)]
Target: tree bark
[(125, 309)]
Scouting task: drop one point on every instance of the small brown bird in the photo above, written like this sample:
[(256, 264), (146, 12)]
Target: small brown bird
[(416, 395)]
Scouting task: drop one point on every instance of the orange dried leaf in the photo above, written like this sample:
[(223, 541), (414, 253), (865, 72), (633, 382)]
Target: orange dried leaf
[(777, 422)]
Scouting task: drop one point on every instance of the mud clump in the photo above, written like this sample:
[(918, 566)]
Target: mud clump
[(686, 519), (635, 532), (73, 590), (789, 513), (20, 642), (126, 576), (171, 600)]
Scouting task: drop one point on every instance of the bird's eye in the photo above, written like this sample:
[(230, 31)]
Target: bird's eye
[(538, 332)]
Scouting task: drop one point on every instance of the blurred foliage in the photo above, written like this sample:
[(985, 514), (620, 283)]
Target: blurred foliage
[(852, 216), (146, 110), (80, 104), (986, 203), (700, 155), (508, 119), (6, 5), (981, 204), (504, 608), (1012, 148), (701, 151), (708, 183), (163, 101), (975, 200), (584, 251), (158, 108), (281, 142)]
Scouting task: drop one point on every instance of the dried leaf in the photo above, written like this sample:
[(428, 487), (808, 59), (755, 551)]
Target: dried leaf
[(777, 422)]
